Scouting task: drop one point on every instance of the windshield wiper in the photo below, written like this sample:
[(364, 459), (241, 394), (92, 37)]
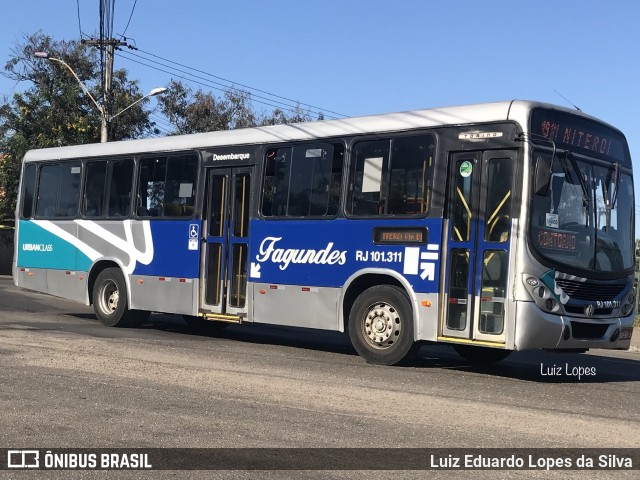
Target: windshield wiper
[(566, 155), (616, 186)]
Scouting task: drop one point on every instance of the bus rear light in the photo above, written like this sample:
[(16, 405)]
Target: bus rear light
[(273, 287), (140, 281), (81, 277), (31, 274), (162, 279), (183, 280), (23, 269), (426, 303), (306, 289), (262, 292)]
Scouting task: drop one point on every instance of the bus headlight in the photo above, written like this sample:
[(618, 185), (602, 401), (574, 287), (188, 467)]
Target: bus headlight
[(542, 295), (532, 281)]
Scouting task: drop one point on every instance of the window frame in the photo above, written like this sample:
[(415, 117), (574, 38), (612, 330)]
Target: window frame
[(316, 142), (386, 176), (36, 200), (23, 188), (107, 186), (136, 186)]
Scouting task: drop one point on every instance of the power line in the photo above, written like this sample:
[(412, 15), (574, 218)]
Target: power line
[(238, 83), (79, 25), (208, 85), (130, 17), (253, 96)]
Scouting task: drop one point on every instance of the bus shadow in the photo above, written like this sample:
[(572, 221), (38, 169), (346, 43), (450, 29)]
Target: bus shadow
[(531, 366), (538, 366), (308, 339)]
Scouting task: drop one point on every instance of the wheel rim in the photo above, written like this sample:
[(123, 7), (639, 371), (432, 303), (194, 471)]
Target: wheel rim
[(381, 325), (109, 297)]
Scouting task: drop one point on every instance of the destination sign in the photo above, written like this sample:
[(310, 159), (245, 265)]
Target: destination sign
[(557, 240), (399, 235), (582, 135)]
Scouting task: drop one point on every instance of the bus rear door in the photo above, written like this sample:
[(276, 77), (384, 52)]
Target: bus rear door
[(223, 276)]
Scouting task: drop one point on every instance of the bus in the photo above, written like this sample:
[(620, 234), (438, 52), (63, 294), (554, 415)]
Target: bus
[(493, 228)]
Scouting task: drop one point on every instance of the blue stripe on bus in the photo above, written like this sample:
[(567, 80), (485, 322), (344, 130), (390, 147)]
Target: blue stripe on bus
[(326, 253), (171, 254)]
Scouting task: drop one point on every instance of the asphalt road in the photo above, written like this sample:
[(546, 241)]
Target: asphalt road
[(67, 381)]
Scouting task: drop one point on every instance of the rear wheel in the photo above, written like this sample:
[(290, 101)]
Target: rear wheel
[(381, 325), (110, 300), (481, 355)]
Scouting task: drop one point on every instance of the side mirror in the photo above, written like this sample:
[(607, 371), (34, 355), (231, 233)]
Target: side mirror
[(542, 176)]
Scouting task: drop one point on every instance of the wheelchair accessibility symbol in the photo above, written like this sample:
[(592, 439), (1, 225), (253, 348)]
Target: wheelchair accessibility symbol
[(194, 235)]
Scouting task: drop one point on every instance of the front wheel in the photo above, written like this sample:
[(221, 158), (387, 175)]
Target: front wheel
[(481, 355), (381, 325), (110, 299)]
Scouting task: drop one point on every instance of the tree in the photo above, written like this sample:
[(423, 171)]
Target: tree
[(195, 112), (54, 110), (201, 111)]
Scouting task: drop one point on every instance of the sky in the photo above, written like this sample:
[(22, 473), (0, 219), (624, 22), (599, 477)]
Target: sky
[(359, 57)]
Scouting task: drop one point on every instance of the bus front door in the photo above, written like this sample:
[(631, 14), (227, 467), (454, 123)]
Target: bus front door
[(223, 275), (478, 238)]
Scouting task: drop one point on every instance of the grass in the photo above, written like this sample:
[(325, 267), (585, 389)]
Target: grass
[(637, 322)]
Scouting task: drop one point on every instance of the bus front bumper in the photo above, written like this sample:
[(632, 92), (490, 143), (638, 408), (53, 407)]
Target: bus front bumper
[(538, 329)]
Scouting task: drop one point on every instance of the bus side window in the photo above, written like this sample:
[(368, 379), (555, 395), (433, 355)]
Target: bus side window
[(411, 175), (303, 181), (59, 190), (166, 186), (276, 182), (392, 176), (367, 179), (28, 191), (121, 175), (96, 176)]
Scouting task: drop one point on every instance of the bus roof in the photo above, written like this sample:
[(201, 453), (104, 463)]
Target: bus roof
[(516, 110)]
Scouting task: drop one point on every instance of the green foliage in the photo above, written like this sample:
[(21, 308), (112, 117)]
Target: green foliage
[(53, 110), (195, 112)]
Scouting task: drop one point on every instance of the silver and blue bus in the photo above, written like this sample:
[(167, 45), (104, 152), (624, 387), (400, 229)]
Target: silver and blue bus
[(493, 227)]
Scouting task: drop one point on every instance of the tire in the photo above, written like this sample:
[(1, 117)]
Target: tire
[(381, 325), (199, 324), (481, 355), (110, 299)]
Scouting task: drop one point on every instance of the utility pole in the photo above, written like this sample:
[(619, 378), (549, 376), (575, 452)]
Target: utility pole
[(109, 45)]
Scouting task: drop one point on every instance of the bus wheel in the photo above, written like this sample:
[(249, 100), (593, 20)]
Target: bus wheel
[(481, 355), (381, 325), (110, 299)]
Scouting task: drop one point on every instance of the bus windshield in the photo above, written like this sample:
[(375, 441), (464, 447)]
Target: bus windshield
[(584, 219)]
